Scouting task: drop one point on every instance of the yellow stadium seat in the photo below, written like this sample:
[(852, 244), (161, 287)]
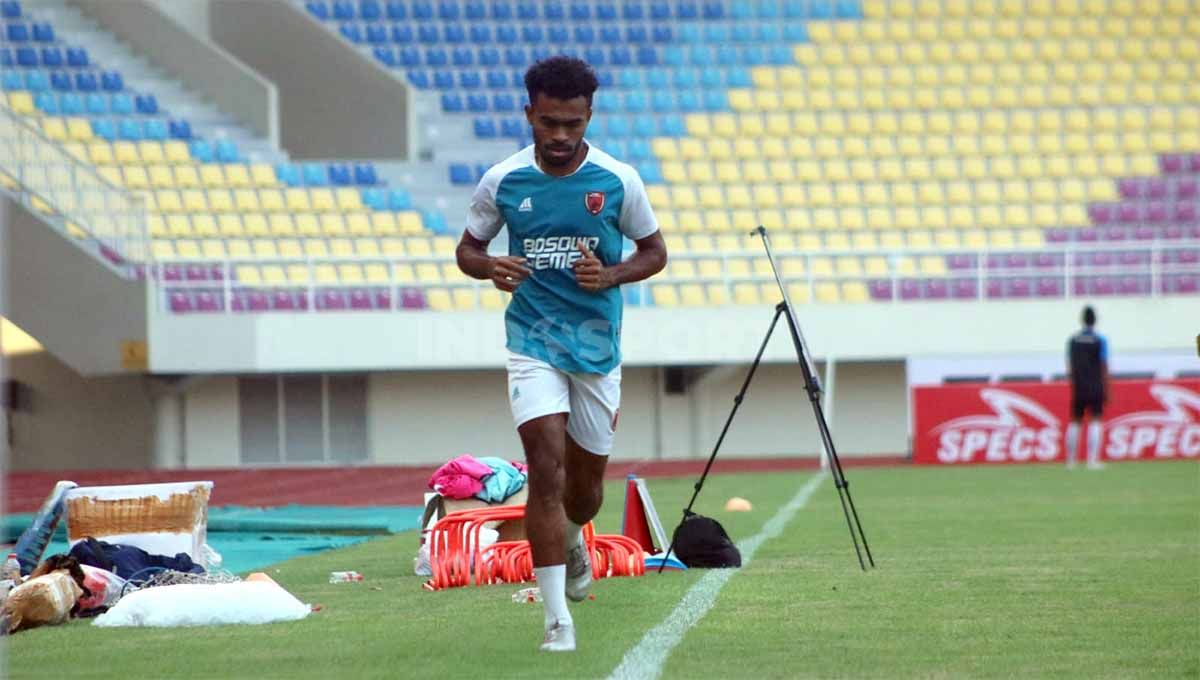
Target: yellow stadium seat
[(738, 196), (333, 224), (237, 176), (100, 153), (264, 249), (161, 177), (281, 225), (419, 247), (664, 295), (256, 224), (683, 197), (692, 295), (307, 224), (246, 200), (325, 274), (239, 249), (746, 294), (212, 176), (728, 172), (711, 196), (358, 223), (205, 225), (717, 220), (274, 275), (384, 223), (186, 177), (674, 172), (230, 224), (1001, 239), (665, 148), (724, 125), (490, 298), (378, 273), (292, 249), (700, 171), (136, 177), (54, 128), (316, 248), (719, 149), (220, 200), (80, 129), (263, 175), (697, 125), (855, 292), (168, 201), (178, 226), (439, 299), (177, 152), (21, 102), (322, 200), (689, 220), (741, 100), (349, 200)]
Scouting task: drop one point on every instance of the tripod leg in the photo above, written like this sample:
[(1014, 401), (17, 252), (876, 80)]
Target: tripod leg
[(737, 402)]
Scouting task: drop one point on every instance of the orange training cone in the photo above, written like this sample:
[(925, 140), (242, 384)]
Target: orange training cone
[(633, 522)]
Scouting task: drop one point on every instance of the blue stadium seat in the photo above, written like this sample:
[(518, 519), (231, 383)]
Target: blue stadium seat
[(451, 102), (469, 80), (716, 33), (616, 149), (179, 129), (781, 55), (435, 221), (343, 10), (700, 55), (156, 129), (369, 10), (436, 56), (122, 104), (111, 81), (377, 34), (95, 104), (663, 101), (672, 126), (409, 56), (474, 10), (11, 80), (631, 10), (687, 10), (605, 102), (17, 33), (557, 34), (585, 35), (365, 175), (795, 32), (485, 128), (849, 9), (501, 10), (618, 127), (399, 199), (638, 150), (504, 103), (660, 11), (740, 10), (6, 58), (351, 32), (227, 151), (540, 52), (443, 80), (650, 172), (768, 10), (518, 78), (374, 199), (727, 55), (662, 34), (402, 34), (421, 9), (105, 129), (481, 34), (715, 100), (27, 57), (460, 173), (130, 129), (610, 35), (339, 175), (58, 80), (396, 10), (202, 151), (634, 298), (635, 101), (645, 126), (77, 57), (672, 55), (741, 33), (477, 103), (689, 100), (738, 77), (768, 33), (581, 11), (685, 77), (85, 81), (315, 175), (606, 78), (752, 55), (690, 34), (454, 34), (10, 9), (43, 32), (462, 56), (36, 81), (496, 79), (512, 128), (595, 56), (532, 33), (146, 103), (647, 56), (713, 9), (288, 174), (526, 11), (418, 79), (606, 12), (516, 56), (448, 10), (506, 35), (489, 56), (428, 34), (821, 9), (620, 56), (386, 55), (629, 78), (553, 11), (52, 57), (318, 9), (46, 103)]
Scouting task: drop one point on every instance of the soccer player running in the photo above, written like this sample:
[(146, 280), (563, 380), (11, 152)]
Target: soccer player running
[(567, 206), (1087, 369)]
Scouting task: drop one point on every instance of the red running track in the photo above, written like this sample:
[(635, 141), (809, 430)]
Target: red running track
[(263, 487)]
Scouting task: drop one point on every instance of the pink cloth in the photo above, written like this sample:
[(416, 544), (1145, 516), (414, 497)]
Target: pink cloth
[(521, 467), (460, 478)]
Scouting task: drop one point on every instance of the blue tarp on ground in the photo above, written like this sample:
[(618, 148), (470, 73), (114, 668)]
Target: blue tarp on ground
[(252, 538)]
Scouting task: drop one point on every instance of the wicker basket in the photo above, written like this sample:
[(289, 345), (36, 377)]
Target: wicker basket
[(164, 519)]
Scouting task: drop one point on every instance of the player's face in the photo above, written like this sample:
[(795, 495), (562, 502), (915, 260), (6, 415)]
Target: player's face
[(558, 127)]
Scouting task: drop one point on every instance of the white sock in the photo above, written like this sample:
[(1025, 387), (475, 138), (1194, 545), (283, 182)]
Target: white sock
[(1072, 442), (573, 534), (552, 582), (1094, 431)]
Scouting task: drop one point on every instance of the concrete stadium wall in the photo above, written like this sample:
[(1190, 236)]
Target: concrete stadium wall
[(161, 31), (333, 101)]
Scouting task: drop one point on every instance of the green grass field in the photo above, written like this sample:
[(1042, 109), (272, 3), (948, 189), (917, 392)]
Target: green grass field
[(1018, 571)]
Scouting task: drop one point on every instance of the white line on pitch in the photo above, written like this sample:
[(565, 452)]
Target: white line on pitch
[(647, 658)]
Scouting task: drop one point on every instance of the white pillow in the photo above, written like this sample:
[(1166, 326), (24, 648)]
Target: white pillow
[(197, 604)]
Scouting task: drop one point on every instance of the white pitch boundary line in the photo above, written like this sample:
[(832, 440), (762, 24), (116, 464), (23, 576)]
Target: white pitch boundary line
[(646, 659)]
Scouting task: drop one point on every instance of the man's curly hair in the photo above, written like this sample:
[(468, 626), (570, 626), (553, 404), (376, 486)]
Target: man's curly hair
[(561, 77)]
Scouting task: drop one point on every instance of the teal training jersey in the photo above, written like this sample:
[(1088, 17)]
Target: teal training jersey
[(550, 317)]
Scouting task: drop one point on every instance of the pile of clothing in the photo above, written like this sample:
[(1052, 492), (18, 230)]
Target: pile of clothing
[(490, 479)]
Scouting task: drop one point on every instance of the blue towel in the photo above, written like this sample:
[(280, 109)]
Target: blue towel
[(504, 481)]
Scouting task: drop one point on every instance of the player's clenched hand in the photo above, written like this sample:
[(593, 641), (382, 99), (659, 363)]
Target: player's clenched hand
[(508, 272), (589, 271)]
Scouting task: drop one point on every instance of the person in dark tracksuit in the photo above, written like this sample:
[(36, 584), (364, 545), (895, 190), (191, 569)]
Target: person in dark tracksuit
[(1087, 369)]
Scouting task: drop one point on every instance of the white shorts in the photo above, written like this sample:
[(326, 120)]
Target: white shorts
[(592, 402)]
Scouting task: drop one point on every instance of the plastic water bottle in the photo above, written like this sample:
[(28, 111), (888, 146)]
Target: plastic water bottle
[(12, 568), (527, 595), (344, 576)]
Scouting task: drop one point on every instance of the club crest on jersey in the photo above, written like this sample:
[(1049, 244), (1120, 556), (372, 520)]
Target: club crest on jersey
[(594, 200)]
